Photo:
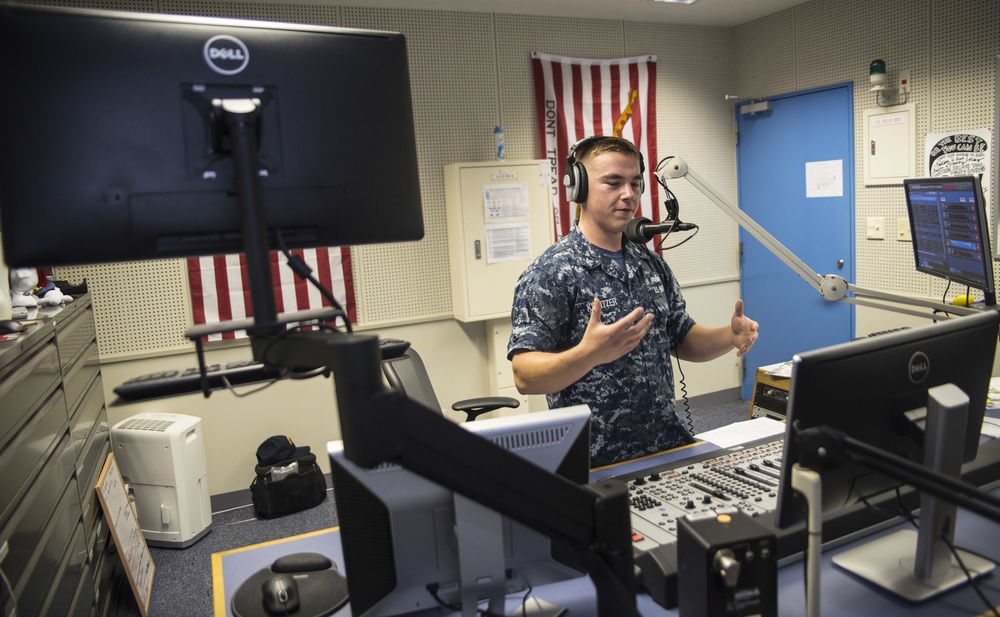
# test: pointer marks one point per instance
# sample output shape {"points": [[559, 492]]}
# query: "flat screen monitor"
{"points": [[916, 396], [399, 530], [113, 147], [864, 387], [950, 231]]}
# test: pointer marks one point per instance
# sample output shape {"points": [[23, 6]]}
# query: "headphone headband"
{"points": [[575, 174]]}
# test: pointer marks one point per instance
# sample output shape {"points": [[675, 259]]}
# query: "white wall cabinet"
{"points": [[499, 220]]}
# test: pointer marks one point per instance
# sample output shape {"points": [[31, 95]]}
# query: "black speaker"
{"points": [[727, 566], [575, 174]]}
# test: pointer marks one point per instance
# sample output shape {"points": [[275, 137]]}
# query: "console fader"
{"points": [[744, 478]]}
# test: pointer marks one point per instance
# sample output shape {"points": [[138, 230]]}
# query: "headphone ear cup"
{"points": [[575, 180], [580, 172]]}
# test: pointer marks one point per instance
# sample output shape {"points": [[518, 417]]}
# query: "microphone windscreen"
{"points": [[633, 230]]}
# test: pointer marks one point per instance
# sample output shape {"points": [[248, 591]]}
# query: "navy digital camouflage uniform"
{"points": [[632, 398]]}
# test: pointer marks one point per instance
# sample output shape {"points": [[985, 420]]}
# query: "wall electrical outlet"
{"points": [[903, 230], [876, 228], [904, 81]]}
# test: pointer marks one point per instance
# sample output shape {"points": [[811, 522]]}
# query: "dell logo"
{"points": [[920, 367], [226, 55]]}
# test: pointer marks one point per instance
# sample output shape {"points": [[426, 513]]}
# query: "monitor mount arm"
{"points": [[832, 287], [824, 447], [379, 424]]}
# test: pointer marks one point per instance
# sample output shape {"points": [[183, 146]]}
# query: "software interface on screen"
{"points": [[950, 237]]}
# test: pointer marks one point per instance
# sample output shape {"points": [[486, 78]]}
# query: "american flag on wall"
{"points": [[220, 290], [578, 98]]}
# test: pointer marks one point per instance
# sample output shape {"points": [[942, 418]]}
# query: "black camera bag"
{"points": [[294, 492]]}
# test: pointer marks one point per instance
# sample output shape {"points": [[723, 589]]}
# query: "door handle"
{"points": [[840, 264]]}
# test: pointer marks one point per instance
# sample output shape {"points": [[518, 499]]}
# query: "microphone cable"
{"points": [[672, 212], [658, 264], [688, 420]]}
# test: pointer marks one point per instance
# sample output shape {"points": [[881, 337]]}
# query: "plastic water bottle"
{"points": [[498, 140]]}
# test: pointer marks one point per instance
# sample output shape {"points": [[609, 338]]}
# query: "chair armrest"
{"points": [[484, 404]]}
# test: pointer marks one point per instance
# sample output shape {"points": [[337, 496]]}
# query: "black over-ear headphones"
{"points": [[575, 174]]}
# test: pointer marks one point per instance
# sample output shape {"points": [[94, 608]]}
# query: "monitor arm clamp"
{"points": [[832, 287]]}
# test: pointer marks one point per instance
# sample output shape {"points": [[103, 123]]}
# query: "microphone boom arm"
{"points": [[831, 287]]}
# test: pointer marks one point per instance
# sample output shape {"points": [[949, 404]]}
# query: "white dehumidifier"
{"points": [[161, 457]]}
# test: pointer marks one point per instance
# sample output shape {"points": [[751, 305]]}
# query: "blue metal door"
{"points": [[786, 162]]}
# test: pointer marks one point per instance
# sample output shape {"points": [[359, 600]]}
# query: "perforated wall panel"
{"points": [[139, 310], [453, 77], [963, 89], [265, 11], [949, 49], [519, 35], [695, 122], [763, 56]]}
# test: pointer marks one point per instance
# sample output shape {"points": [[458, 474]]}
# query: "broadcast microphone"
{"points": [[641, 230]]}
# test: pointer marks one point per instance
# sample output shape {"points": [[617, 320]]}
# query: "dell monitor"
{"points": [[113, 144], [404, 549], [873, 390], [950, 231]]}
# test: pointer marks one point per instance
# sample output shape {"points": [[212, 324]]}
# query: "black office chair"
{"points": [[407, 374]]}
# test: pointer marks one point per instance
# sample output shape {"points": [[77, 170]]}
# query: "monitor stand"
{"points": [[918, 565], [479, 532]]}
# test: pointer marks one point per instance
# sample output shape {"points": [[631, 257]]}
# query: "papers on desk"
{"points": [[742, 432], [781, 369]]}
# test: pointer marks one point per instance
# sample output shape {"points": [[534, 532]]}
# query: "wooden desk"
{"points": [[770, 395]]}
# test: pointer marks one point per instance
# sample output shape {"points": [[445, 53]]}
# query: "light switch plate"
{"points": [[903, 230], [876, 228]]}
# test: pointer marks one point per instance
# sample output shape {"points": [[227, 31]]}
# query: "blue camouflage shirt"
{"points": [[632, 398]]}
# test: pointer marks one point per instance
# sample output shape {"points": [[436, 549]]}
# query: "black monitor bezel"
{"points": [[986, 283], [109, 174]]}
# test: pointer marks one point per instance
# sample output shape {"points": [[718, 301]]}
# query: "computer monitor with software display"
{"points": [[865, 388], [950, 231], [113, 145], [399, 530]]}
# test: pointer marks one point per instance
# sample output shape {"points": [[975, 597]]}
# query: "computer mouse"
{"points": [[9, 326], [281, 595]]}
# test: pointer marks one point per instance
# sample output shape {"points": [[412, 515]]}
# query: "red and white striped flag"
{"points": [[220, 289], [578, 98]]}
